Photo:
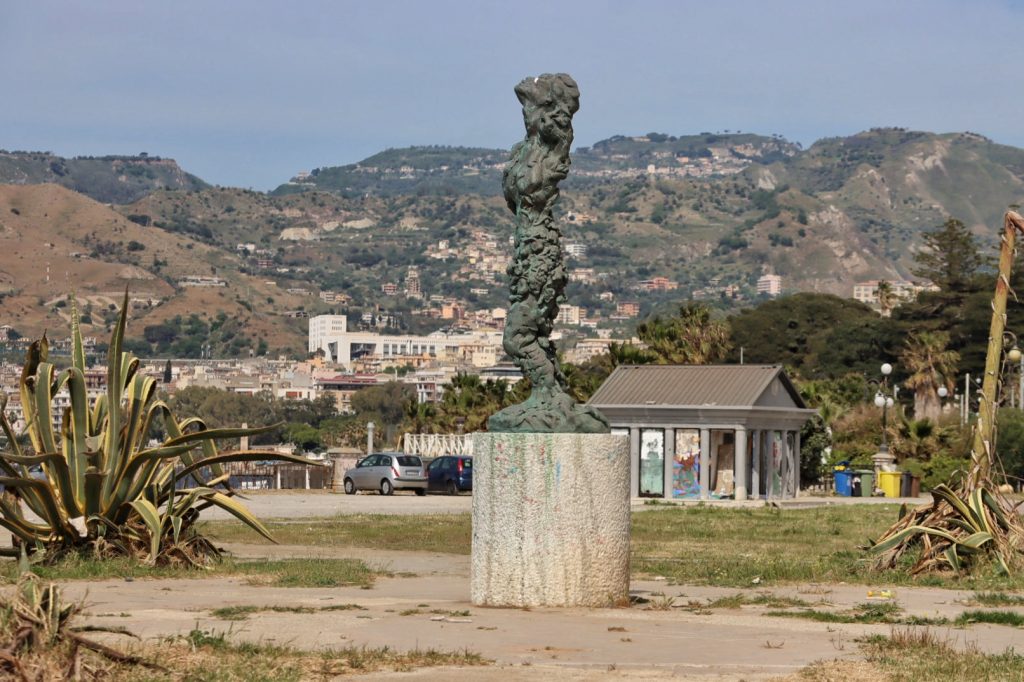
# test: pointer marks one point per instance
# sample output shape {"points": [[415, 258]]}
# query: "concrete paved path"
{"points": [[659, 639], [314, 503]]}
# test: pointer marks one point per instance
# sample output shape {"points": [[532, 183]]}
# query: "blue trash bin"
{"points": [[844, 482]]}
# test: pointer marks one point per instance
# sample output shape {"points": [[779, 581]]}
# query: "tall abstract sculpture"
{"points": [[550, 482], [537, 272]]}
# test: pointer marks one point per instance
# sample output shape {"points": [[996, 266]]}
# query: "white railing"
{"points": [[437, 444]]}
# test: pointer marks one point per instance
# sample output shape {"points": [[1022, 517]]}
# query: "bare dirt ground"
{"points": [[655, 640]]}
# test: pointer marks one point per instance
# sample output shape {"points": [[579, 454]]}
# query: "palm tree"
{"points": [[930, 364], [886, 298], [628, 354], [419, 417]]}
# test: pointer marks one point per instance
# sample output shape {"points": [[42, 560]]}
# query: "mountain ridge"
{"points": [[709, 213]]}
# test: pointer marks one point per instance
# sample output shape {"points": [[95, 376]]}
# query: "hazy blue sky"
{"points": [[248, 93]]}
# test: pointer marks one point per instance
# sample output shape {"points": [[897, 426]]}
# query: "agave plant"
{"points": [[103, 487], [952, 533]]}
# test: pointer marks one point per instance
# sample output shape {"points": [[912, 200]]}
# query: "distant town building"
{"points": [[627, 308], [587, 349], [324, 332], [769, 284], [657, 284], [335, 297], [568, 314], [389, 288], [576, 250], [582, 275], [452, 311], [201, 281], [412, 283], [902, 290], [327, 334]]}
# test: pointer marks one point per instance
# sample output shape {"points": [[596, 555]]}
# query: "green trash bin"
{"points": [[867, 483]]}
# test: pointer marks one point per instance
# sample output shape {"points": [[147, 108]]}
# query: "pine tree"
{"points": [[950, 257]]}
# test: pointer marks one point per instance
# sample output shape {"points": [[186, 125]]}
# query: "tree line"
{"points": [[830, 346]]}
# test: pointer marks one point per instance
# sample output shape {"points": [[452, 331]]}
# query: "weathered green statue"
{"points": [[537, 273]]}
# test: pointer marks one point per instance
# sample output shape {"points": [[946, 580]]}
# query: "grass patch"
{"points": [[919, 655], [739, 600], [997, 599], [284, 573], [436, 612], [867, 613], [443, 533], [761, 546], [243, 612], [212, 656], [688, 545], [310, 573], [1010, 618]]}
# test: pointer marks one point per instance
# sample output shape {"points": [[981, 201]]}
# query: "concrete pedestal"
{"points": [[550, 519]]}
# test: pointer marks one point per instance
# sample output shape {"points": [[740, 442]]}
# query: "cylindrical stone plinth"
{"points": [[550, 519]]}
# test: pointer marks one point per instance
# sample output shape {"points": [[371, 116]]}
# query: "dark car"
{"points": [[450, 474]]}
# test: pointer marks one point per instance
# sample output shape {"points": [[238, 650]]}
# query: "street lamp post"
{"points": [[883, 459], [1015, 357]]}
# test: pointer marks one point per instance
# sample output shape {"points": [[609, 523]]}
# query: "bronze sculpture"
{"points": [[537, 273]]}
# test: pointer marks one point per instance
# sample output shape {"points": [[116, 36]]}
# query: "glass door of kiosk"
{"points": [[652, 463]]}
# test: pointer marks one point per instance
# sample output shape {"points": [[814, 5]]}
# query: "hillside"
{"points": [[413, 170], [709, 212], [57, 242], [107, 179], [725, 207]]}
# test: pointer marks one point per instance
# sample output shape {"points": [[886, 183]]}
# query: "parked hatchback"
{"points": [[450, 474], [387, 472]]}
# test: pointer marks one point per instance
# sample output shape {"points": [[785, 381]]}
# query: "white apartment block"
{"points": [[576, 250], [902, 290], [569, 314], [769, 284], [328, 333], [325, 332]]}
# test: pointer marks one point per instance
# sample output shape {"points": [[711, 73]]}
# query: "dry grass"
{"points": [[916, 655], [40, 642], [213, 657]]}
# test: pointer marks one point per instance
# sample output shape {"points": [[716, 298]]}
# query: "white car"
{"points": [[387, 472]]}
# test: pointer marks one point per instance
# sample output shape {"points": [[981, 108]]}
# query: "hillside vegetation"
{"points": [[711, 211], [108, 179], [57, 242]]}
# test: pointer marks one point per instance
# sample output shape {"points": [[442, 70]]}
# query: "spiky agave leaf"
{"points": [[100, 476]]}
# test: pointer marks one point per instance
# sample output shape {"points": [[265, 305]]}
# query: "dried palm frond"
{"points": [[961, 529], [39, 642]]}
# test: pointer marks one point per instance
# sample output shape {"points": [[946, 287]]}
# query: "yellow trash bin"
{"points": [[889, 482]]}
